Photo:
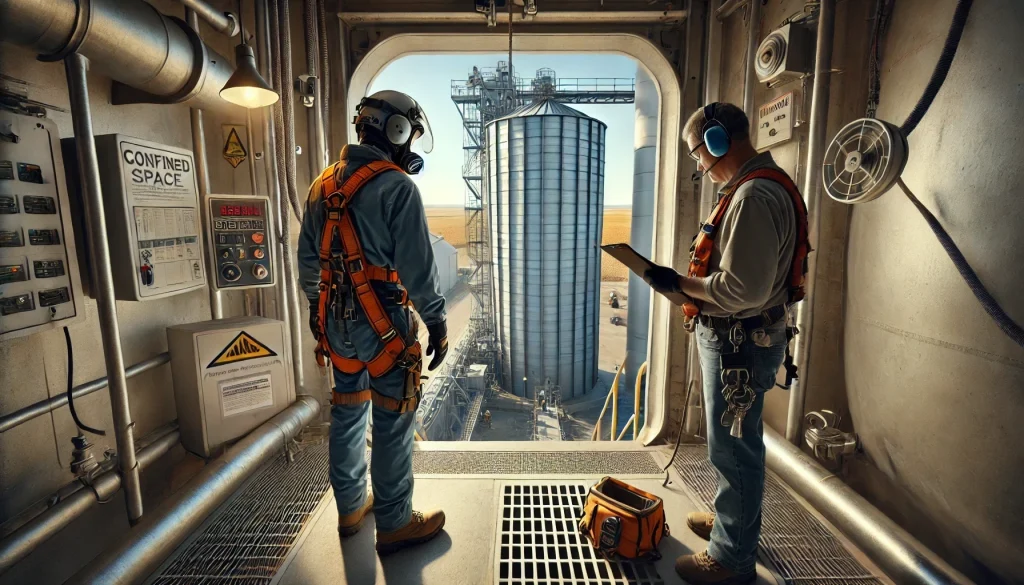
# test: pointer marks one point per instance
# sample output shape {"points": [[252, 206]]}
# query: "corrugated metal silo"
{"points": [[545, 181]]}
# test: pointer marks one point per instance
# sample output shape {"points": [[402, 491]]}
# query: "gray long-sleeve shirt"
{"points": [[392, 228], [750, 261]]}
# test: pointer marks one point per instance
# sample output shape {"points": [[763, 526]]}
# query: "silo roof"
{"points": [[546, 107]]}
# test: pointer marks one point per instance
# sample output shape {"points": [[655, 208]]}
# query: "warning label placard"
{"points": [[243, 347], [245, 394]]}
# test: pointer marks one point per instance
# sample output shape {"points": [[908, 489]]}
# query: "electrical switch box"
{"points": [[151, 204], [230, 376], [40, 287], [239, 241]]}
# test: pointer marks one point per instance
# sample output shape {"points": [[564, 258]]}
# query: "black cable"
{"points": [[956, 30], [679, 434], [71, 397], [1007, 324]]}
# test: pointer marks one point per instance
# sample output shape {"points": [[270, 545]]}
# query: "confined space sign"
{"points": [[245, 394], [775, 121], [242, 348]]}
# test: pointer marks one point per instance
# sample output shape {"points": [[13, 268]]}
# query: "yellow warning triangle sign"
{"points": [[243, 347], [234, 152]]}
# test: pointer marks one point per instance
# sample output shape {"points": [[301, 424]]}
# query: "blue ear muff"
{"points": [[717, 141]]}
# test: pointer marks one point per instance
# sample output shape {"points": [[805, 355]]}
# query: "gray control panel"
{"points": [[39, 280], [239, 241]]}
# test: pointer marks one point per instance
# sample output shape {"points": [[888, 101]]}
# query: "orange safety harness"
{"points": [[704, 242], [349, 271]]}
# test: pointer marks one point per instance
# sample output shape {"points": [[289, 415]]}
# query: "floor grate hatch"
{"points": [[540, 544], [247, 540], [802, 549]]}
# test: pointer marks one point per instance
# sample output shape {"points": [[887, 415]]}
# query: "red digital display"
{"points": [[240, 211]]}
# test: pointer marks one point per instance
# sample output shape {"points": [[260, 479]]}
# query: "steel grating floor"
{"points": [[535, 463], [538, 541], [802, 549]]}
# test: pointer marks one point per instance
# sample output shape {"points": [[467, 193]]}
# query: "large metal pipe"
{"points": [[38, 530], [203, 178], [753, 40], [728, 7], [18, 417], [817, 138], [141, 551], [128, 40], [542, 17], [76, 66], [223, 22], [901, 557]]}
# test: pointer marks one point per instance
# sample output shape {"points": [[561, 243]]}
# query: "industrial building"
{"points": [[447, 259], [162, 416]]}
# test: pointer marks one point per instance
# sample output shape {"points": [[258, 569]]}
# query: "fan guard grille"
{"points": [[863, 161]]}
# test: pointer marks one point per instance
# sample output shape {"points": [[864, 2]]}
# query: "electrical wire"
{"points": [[1008, 325], [679, 433], [70, 388]]}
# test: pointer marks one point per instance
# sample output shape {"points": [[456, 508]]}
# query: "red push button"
{"points": [[257, 238]]}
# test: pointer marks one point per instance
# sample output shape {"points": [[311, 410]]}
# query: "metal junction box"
{"points": [[151, 204], [230, 376], [240, 241], [40, 287]]}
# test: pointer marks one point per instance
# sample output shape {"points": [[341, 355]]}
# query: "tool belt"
{"points": [[621, 520], [346, 278], [765, 318]]}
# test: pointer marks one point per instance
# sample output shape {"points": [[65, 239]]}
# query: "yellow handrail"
{"points": [[614, 391], [625, 427], [636, 399]]}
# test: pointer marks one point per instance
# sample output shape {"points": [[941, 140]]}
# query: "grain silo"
{"points": [[545, 181]]}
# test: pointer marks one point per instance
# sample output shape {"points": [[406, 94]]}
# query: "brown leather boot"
{"points": [[421, 528], [701, 523], [701, 569], [349, 524]]}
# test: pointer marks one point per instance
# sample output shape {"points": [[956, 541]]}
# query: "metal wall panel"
{"points": [[546, 180]]}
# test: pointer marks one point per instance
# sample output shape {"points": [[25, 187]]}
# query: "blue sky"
{"points": [[427, 78]]}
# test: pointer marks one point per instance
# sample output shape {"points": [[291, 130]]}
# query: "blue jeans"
{"points": [[391, 456], [740, 462]]}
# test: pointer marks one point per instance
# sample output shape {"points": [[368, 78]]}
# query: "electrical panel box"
{"points": [[230, 376], [40, 287], [151, 205], [239, 241]]}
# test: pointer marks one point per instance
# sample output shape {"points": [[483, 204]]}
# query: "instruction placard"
{"points": [[244, 394], [775, 121]]}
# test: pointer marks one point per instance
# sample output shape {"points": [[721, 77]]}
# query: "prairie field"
{"points": [[450, 223]]}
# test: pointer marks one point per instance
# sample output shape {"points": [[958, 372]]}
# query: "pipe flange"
{"points": [[83, 17], [200, 58]]}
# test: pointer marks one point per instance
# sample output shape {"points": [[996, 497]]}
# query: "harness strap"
{"points": [[359, 273], [379, 400]]}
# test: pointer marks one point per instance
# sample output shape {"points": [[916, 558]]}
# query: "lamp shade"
{"points": [[246, 87]]}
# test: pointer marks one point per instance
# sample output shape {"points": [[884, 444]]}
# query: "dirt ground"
{"points": [[450, 223]]}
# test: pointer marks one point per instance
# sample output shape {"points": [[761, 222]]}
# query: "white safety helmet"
{"points": [[396, 116]]}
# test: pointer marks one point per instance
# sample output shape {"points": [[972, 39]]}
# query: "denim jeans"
{"points": [[740, 462], [391, 456]]}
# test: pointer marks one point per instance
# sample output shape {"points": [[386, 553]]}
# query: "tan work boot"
{"points": [[701, 523], [349, 524], [421, 528], [701, 569]]}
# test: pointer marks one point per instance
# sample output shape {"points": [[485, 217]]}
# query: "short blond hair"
{"points": [[729, 115]]}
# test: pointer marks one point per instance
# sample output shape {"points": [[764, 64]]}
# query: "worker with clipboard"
{"points": [[747, 266]]}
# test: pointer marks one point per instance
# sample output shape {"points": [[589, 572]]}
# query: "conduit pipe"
{"points": [[142, 550], [753, 40], [105, 486], [542, 17], [728, 7], [103, 281], [18, 417], [128, 40], [203, 178], [223, 22], [900, 556], [817, 140]]}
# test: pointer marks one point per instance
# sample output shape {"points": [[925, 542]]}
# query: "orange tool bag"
{"points": [[621, 520]]}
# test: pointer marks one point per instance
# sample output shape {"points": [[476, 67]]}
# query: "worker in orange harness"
{"points": [[365, 261], [747, 267]]}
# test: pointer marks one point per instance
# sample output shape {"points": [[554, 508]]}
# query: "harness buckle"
{"points": [[388, 335], [735, 377], [355, 265]]}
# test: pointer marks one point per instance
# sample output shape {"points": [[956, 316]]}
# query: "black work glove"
{"points": [[662, 279], [314, 320], [437, 343]]}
